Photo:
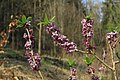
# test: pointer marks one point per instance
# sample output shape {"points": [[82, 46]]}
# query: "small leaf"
{"points": [[117, 28], [20, 25], [52, 19], [46, 21], [87, 17], [24, 19], [18, 21], [93, 59], [71, 62], [90, 16], [88, 61], [29, 18], [110, 29]]}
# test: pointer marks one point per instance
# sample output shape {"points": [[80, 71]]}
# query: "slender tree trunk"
{"points": [[39, 39], [34, 10], [54, 49], [17, 41], [13, 37], [40, 28], [13, 40]]}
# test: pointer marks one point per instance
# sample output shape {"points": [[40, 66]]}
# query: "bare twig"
{"points": [[84, 52], [112, 51], [116, 62], [117, 40], [40, 75], [103, 62]]}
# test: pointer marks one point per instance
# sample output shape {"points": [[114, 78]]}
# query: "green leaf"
{"points": [[52, 19], [20, 25], [18, 21], [71, 62], [24, 19], [87, 17], [29, 18], [22, 22], [117, 28], [93, 59], [87, 60], [46, 21], [110, 29]]}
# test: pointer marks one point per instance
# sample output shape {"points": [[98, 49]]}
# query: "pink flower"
{"points": [[25, 35], [87, 32], [28, 44]]}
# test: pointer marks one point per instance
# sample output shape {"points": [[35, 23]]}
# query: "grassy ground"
{"points": [[13, 66]]}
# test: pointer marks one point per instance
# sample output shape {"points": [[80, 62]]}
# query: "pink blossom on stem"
{"points": [[60, 39], [87, 32]]}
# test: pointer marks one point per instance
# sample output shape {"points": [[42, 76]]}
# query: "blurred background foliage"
{"points": [[68, 15]]}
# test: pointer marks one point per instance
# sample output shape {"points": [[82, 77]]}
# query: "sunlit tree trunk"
{"points": [[40, 28], [39, 39]]}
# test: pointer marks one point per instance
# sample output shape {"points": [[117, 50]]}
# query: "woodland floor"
{"points": [[13, 66]]}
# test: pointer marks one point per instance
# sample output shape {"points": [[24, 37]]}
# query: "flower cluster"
{"points": [[29, 39], [73, 74], [112, 38], [91, 71], [60, 39], [87, 32], [94, 77], [33, 58], [102, 68]]}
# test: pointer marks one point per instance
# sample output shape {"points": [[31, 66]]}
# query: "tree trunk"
{"points": [[13, 37], [39, 39]]}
